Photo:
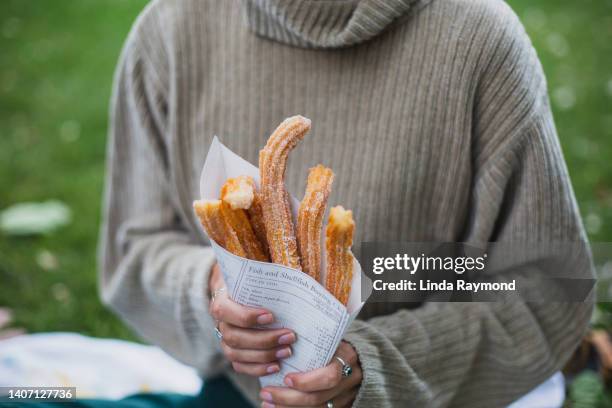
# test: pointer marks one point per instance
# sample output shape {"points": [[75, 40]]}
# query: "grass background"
{"points": [[56, 66]]}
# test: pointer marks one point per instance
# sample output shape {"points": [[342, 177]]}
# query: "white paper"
{"points": [[297, 301]]}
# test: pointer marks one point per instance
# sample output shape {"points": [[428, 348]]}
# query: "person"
{"points": [[435, 117]]}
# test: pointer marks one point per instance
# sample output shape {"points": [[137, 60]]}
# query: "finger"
{"points": [[216, 280], [293, 398], [327, 377], [345, 384], [255, 339], [270, 405], [256, 370], [255, 356], [321, 379], [344, 400], [226, 310]]}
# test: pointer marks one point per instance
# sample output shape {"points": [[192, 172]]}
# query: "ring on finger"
{"points": [[218, 332], [346, 370]]}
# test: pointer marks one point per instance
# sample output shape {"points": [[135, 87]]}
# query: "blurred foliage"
{"points": [[56, 66], [574, 42], [587, 391]]}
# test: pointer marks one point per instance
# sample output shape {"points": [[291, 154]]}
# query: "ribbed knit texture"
{"points": [[435, 118]]}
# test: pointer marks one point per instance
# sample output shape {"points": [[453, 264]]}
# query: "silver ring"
{"points": [[218, 332], [216, 293], [346, 369], [330, 404]]}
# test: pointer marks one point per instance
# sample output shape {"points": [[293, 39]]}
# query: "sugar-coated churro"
{"points": [[211, 218], [310, 218], [234, 194], [275, 199], [255, 213], [339, 238], [239, 192]]}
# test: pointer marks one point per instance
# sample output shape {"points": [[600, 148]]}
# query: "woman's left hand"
{"points": [[318, 387]]}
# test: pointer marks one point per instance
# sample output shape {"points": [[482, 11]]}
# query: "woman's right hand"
{"points": [[252, 351]]}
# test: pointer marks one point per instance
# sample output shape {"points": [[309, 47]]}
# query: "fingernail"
{"points": [[288, 338], [274, 368], [288, 382], [266, 318], [283, 353], [267, 405], [266, 396]]}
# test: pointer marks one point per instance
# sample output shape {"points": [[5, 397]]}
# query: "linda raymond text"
{"points": [[443, 285]]}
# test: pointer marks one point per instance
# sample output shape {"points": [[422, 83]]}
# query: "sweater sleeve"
{"points": [[489, 354], [484, 354], [153, 272]]}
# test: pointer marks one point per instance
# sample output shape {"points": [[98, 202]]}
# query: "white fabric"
{"points": [[98, 368], [549, 394]]}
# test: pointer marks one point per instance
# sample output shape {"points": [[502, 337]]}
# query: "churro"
{"points": [[310, 218], [237, 193], [211, 218], [275, 199], [241, 193], [339, 238], [255, 213]]}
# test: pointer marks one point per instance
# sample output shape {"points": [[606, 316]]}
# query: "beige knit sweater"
{"points": [[435, 118]]}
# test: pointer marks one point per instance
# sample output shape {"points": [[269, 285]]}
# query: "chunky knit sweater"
{"points": [[433, 114]]}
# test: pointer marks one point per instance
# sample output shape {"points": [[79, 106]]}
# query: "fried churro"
{"points": [[310, 218], [339, 238], [239, 192], [211, 218], [255, 213], [275, 199], [235, 194]]}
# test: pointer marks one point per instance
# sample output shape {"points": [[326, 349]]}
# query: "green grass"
{"points": [[56, 68], [574, 42], [56, 65]]}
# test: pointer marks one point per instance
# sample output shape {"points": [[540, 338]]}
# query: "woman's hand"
{"points": [[316, 388], [252, 351]]}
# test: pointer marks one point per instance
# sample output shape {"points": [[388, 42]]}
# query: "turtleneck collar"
{"points": [[324, 23]]}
